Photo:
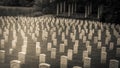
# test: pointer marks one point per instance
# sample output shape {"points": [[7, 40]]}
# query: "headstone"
{"points": [[44, 65], [85, 54], [37, 43], [0, 31], [66, 42], [53, 53], [77, 42], [111, 47], [73, 38], [118, 52], [13, 43], [103, 49], [24, 48], [99, 36], [84, 39], [21, 57], [63, 36], [118, 41], [75, 49], [89, 36], [114, 64], [89, 49], [49, 46], [55, 42], [62, 48], [67, 32], [15, 64], [106, 40], [76, 67], [87, 62], [10, 51], [38, 50], [2, 43], [80, 36], [42, 58], [99, 45], [2, 56], [87, 43], [25, 43], [95, 40], [103, 57], [70, 54], [63, 62], [6, 38]]}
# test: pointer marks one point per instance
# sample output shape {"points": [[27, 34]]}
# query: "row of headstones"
{"points": [[62, 46], [107, 39], [79, 28], [63, 63], [21, 55]]}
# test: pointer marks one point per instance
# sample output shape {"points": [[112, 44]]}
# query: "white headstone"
{"points": [[21, 57], [103, 49], [2, 43], [99, 45], [118, 41], [6, 38], [62, 48], [13, 43], [76, 67], [24, 48], [10, 51], [103, 57], [87, 43], [99, 36], [80, 36], [63, 36], [73, 38], [114, 64], [44, 65], [89, 36], [66, 42], [118, 52], [53, 53], [89, 49], [63, 62], [42, 58], [95, 40], [55, 42], [85, 54], [70, 54], [84, 39], [49, 46], [106, 40], [37, 43], [87, 62], [15, 64], [77, 42], [2, 56], [111, 47], [38, 50], [75, 49]]}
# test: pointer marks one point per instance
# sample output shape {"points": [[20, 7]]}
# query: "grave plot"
{"points": [[49, 42]]}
